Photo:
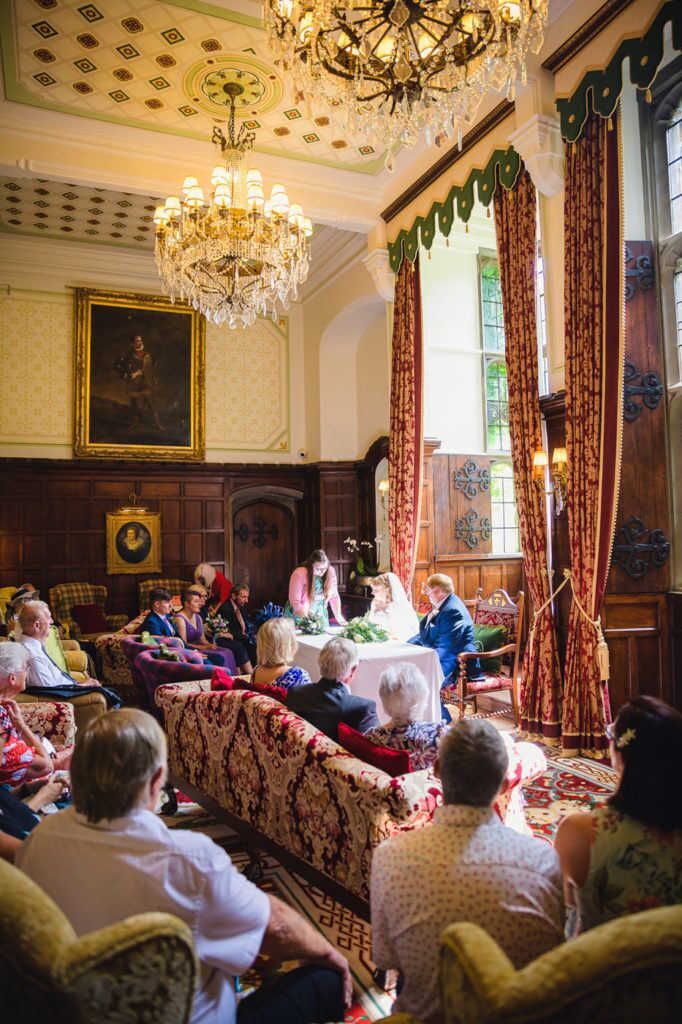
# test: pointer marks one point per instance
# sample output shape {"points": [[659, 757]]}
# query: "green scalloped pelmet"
{"points": [[606, 86], [503, 167]]}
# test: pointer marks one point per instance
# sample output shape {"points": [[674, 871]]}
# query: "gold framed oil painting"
{"points": [[140, 374], [133, 541]]}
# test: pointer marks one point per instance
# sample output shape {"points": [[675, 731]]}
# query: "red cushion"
{"points": [[393, 762], [222, 680], [267, 689], [90, 618]]}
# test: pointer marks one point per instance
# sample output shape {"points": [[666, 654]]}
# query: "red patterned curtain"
{"points": [[405, 444], [516, 227], [594, 382]]}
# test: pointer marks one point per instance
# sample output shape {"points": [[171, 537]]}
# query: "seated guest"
{"points": [[327, 703], [26, 592], [240, 628], [448, 629], [23, 755], [18, 817], [404, 693], [53, 644], [191, 631], [464, 866], [627, 856], [109, 856], [276, 645], [313, 586], [391, 608], [217, 585], [158, 621], [43, 674]]}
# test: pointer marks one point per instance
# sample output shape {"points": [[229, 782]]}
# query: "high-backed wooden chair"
{"points": [[496, 610]]}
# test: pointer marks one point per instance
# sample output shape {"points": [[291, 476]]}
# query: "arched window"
{"points": [[503, 507]]}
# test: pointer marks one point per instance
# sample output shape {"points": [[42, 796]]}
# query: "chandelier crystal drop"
{"points": [[389, 68], [236, 255]]}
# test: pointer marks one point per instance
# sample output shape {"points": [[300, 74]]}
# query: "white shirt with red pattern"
{"points": [[465, 866]]}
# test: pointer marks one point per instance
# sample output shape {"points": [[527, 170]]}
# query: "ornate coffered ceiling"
{"points": [[53, 209], [161, 65]]}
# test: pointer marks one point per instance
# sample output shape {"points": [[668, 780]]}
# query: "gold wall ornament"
{"points": [[133, 541], [140, 377]]}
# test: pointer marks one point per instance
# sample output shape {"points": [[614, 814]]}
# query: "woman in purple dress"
{"points": [[190, 628]]}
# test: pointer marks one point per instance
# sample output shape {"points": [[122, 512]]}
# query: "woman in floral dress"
{"points": [[627, 856], [312, 587]]}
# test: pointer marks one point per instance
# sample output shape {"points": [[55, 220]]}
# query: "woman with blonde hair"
{"points": [[391, 608], [276, 646], [218, 586]]}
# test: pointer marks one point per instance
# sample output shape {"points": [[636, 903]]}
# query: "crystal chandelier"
{"points": [[235, 256], [392, 67]]}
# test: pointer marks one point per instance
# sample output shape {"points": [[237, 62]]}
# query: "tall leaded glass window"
{"points": [[673, 140], [677, 286], [497, 406], [503, 507], [492, 320]]}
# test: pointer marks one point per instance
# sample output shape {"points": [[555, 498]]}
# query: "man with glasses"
{"points": [[448, 629]]}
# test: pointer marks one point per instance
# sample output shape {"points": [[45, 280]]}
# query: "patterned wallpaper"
{"points": [[247, 373], [163, 66], [36, 383]]}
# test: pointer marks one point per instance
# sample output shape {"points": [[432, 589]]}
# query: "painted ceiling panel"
{"points": [[163, 66]]}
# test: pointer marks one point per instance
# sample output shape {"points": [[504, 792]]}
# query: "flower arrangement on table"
{"points": [[312, 625], [362, 631], [365, 555]]}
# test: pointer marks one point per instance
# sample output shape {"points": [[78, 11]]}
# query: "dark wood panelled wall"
{"points": [[439, 549], [638, 612]]}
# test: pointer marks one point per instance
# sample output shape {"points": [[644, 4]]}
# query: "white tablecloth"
{"points": [[373, 660]]}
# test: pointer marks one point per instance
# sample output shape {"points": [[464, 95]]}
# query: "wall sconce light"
{"points": [[559, 475], [382, 487]]}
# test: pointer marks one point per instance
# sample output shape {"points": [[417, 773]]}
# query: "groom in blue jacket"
{"points": [[448, 628]]}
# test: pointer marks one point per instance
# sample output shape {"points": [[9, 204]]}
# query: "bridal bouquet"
{"points": [[216, 625], [310, 624], [362, 631]]}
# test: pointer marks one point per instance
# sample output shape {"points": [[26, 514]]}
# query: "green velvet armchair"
{"points": [[629, 971], [140, 969]]}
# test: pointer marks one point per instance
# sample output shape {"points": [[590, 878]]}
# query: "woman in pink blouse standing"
{"points": [[312, 587]]}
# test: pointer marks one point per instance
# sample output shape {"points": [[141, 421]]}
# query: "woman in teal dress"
{"points": [[627, 856], [312, 587]]}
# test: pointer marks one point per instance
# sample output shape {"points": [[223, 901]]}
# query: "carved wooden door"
{"points": [[264, 551]]}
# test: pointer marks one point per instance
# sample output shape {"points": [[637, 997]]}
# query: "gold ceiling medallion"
{"points": [[235, 256], [398, 66], [205, 81]]}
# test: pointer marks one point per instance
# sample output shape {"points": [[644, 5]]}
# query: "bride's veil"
{"points": [[404, 619]]}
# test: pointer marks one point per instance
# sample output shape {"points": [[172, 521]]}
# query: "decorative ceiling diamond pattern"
{"points": [[54, 209], [161, 65]]}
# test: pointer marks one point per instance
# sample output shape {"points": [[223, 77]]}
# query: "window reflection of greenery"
{"points": [[503, 509], [497, 406]]}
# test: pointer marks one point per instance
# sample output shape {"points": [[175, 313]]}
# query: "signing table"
{"points": [[374, 658]]}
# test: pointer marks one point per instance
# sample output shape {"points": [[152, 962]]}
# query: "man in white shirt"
{"points": [[109, 856], [35, 621], [465, 866]]}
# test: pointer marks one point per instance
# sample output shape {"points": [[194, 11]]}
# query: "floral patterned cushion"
{"points": [[488, 684], [53, 720], [293, 784], [488, 617]]}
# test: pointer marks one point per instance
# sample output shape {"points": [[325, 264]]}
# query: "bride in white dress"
{"points": [[391, 608]]}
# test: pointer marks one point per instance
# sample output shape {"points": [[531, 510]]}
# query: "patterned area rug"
{"points": [[569, 784]]}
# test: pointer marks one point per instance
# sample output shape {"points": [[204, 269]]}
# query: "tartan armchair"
{"points": [[64, 596], [496, 610], [145, 587]]}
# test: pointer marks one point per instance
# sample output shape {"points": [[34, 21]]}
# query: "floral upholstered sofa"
{"points": [[277, 775]]}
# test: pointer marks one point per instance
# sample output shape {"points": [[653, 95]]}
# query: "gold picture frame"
{"points": [[140, 377], [133, 541]]}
